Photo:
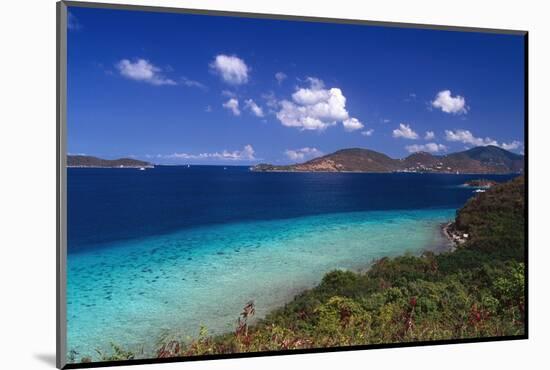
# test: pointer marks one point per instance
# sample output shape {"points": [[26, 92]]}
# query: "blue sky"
{"points": [[178, 89]]}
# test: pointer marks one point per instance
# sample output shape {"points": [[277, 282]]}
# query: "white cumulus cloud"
{"points": [[368, 132], [254, 108], [405, 131], [352, 124], [430, 135], [466, 137], [512, 145], [429, 147], [313, 107], [233, 105], [246, 154], [449, 104], [303, 153], [232, 69], [143, 70]]}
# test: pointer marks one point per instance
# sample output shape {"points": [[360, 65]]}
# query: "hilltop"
{"points": [[480, 160], [94, 162]]}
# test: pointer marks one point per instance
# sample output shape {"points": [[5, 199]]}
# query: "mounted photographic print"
{"points": [[234, 184]]}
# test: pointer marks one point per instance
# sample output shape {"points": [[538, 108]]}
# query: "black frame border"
{"points": [[61, 126]]}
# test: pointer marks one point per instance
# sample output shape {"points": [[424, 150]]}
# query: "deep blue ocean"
{"points": [[110, 204], [169, 249]]}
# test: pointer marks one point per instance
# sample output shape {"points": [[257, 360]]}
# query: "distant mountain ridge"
{"points": [[479, 160], [95, 162]]}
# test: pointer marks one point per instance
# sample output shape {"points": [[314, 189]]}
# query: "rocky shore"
{"points": [[455, 237]]}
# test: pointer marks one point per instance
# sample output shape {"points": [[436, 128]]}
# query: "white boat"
{"points": [[142, 168], [479, 191]]}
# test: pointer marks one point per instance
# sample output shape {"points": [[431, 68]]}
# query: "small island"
{"points": [[480, 183], [86, 161]]}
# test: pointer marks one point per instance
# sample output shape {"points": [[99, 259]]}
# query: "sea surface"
{"points": [[162, 252]]}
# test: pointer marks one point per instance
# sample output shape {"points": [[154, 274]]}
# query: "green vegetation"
{"points": [[496, 221], [475, 291]]}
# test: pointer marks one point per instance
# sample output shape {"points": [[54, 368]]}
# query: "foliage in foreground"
{"points": [[475, 291]]}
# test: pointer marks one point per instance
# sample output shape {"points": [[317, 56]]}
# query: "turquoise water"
{"points": [[133, 291]]}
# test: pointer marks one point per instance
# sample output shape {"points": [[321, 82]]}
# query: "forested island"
{"points": [[476, 290], [86, 161]]}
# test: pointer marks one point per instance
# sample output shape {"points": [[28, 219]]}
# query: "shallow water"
{"points": [[133, 291], [171, 248]]}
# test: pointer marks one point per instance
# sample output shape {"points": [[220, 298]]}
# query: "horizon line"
{"points": [[257, 161]]}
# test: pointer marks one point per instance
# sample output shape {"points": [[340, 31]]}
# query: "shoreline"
{"points": [[453, 241], [455, 238], [396, 172], [435, 243]]}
